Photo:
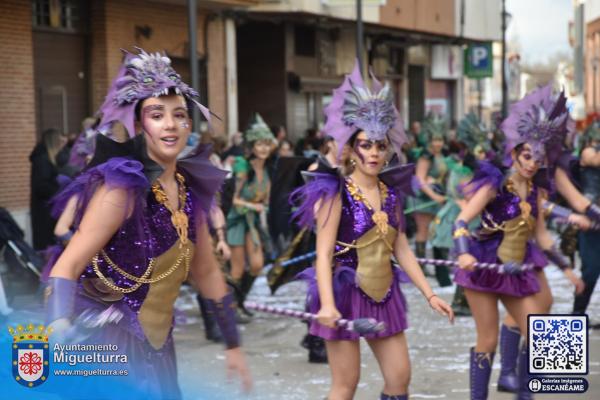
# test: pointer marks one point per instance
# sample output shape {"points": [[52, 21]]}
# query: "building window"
{"points": [[304, 41], [58, 14], [41, 13], [396, 61]]}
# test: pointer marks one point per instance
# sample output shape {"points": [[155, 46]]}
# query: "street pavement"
{"points": [[439, 352]]}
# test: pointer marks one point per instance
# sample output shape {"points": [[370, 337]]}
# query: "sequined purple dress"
{"points": [[485, 243], [132, 252], [351, 301], [144, 334]]}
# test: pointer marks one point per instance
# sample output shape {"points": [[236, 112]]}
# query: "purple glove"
{"points": [[65, 238], [60, 299], [224, 312], [558, 258], [460, 235], [593, 212]]}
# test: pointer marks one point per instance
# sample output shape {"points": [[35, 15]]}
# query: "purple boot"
{"points": [[524, 393], [509, 353], [480, 370], [393, 396]]}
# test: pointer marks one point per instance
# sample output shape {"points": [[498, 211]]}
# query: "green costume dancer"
{"points": [[246, 221], [472, 134], [431, 173], [441, 227]]}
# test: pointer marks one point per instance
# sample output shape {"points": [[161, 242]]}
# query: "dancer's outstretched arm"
{"points": [[210, 281], [328, 221], [205, 268], [570, 192], [105, 213], [407, 260], [546, 243], [421, 172]]}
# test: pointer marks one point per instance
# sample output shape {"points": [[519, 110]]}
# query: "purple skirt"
{"points": [[353, 303], [151, 373], [488, 280]]}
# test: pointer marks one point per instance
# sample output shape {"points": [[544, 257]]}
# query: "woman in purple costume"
{"points": [[512, 232], [140, 228], [510, 334], [359, 229]]}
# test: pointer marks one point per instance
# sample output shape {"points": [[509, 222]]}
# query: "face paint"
{"points": [[359, 151], [362, 146], [146, 110], [525, 162], [185, 125]]}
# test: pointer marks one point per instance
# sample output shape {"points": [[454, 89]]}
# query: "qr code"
{"points": [[558, 344]]}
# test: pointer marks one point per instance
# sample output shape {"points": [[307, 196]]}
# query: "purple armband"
{"points": [[65, 238], [460, 236], [593, 212], [224, 312], [555, 211], [60, 299], [558, 258]]}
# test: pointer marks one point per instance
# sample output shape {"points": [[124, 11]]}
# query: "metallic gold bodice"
{"points": [[374, 250], [156, 314], [516, 234]]}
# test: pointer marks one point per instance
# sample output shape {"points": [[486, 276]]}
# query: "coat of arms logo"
{"points": [[30, 354]]}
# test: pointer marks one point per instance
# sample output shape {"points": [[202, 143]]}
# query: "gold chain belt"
{"points": [[353, 245], [494, 227], [184, 256]]}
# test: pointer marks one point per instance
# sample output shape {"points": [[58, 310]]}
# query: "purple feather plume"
{"points": [[320, 186], [356, 107], [540, 119], [485, 174], [117, 173]]}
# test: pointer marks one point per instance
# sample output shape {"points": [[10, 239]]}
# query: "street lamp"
{"points": [[359, 35], [193, 54], [505, 21]]}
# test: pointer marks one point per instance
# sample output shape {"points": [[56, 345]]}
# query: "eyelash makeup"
{"points": [[368, 145]]}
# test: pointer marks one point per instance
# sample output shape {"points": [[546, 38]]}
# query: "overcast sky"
{"points": [[541, 27]]}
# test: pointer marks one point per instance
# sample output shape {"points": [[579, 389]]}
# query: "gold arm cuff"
{"points": [[460, 232]]}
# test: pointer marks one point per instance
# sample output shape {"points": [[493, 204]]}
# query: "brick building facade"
{"points": [[30, 49], [17, 114]]}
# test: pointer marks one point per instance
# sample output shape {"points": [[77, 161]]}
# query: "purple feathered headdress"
{"points": [[141, 76], [355, 106], [540, 119]]}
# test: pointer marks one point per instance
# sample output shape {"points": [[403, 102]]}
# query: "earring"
{"points": [[353, 163]]}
